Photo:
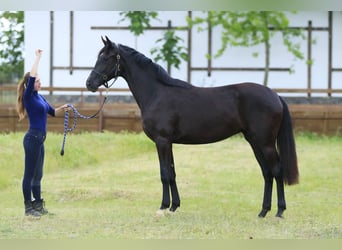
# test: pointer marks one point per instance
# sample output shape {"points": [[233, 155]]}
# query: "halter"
{"points": [[105, 77], [75, 111]]}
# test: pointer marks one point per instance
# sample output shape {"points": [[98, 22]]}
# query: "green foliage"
{"points": [[170, 51], [11, 45], [242, 28], [140, 20], [249, 28]]}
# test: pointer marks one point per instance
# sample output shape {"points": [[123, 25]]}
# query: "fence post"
{"points": [[189, 49], [51, 50], [11, 118], [101, 117], [169, 27], [330, 13], [209, 47], [309, 60]]}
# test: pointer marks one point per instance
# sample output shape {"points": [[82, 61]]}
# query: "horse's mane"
{"points": [[161, 73]]}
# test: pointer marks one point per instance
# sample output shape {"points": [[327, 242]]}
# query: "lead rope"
{"points": [[76, 114]]}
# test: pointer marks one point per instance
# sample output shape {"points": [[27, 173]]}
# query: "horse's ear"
{"points": [[103, 40], [108, 40]]}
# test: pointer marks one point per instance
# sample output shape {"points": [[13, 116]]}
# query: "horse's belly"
{"points": [[201, 134], [192, 124]]}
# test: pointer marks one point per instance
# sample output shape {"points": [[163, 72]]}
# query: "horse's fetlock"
{"points": [[164, 206]]}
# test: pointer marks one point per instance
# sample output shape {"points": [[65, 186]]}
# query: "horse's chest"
{"points": [[156, 122]]}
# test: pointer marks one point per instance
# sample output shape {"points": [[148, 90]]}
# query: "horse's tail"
{"points": [[287, 148]]}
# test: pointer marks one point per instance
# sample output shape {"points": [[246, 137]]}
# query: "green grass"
{"points": [[107, 185]]}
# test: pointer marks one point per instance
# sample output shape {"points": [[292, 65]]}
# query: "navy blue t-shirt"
{"points": [[36, 106]]}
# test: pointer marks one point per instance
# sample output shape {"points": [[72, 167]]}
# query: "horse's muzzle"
{"points": [[91, 87]]}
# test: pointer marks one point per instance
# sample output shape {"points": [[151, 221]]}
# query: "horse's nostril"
{"points": [[88, 84]]}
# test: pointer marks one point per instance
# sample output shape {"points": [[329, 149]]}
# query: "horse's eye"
{"points": [[103, 57]]}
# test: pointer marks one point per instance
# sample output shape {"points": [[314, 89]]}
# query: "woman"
{"points": [[37, 109]]}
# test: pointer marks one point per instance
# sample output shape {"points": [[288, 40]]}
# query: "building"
{"points": [[71, 41]]}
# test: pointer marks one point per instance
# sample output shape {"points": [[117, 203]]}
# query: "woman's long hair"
{"points": [[20, 95]]}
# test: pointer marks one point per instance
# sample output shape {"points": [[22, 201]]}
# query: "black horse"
{"points": [[174, 111]]}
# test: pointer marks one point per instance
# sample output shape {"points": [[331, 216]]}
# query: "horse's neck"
{"points": [[142, 88]]}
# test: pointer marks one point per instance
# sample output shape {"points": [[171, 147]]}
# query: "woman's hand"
{"points": [[64, 107], [39, 52]]}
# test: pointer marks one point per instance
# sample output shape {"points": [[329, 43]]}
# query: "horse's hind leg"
{"points": [[268, 186], [272, 170], [267, 158], [268, 181], [281, 196], [266, 205]]}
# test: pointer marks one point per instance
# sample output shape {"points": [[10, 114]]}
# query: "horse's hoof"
{"points": [[280, 214], [263, 213], [173, 208]]}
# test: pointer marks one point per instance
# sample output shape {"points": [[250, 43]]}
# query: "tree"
{"points": [[170, 51], [11, 46], [250, 28], [140, 20]]}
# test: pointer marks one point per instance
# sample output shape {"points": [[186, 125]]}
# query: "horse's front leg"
{"points": [[173, 185], [167, 174]]}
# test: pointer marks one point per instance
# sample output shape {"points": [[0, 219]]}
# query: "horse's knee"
{"points": [[173, 171], [168, 176], [164, 176], [165, 179]]}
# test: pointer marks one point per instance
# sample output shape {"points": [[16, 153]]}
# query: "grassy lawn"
{"points": [[107, 185]]}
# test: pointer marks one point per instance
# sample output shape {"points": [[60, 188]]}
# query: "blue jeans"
{"points": [[34, 160]]}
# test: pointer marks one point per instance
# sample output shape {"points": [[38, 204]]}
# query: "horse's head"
{"points": [[106, 67]]}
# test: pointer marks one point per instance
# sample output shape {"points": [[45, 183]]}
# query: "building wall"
{"points": [[87, 42]]}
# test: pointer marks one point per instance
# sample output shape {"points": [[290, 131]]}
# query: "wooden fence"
{"points": [[114, 117], [318, 118], [321, 119]]}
